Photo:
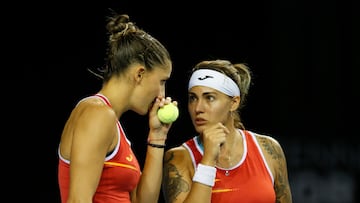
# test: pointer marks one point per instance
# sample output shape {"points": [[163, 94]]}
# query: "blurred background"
{"points": [[299, 52]]}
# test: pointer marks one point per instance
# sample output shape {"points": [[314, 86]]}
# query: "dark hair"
{"points": [[239, 73], [128, 44]]}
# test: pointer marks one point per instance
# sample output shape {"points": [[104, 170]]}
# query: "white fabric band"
{"points": [[214, 79], [205, 175]]}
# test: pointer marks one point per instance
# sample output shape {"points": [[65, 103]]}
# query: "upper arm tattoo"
{"points": [[281, 185], [173, 182]]}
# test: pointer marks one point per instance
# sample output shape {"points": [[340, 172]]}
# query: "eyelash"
{"points": [[208, 97]]}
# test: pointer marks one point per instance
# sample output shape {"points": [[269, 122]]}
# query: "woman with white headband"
{"points": [[224, 162]]}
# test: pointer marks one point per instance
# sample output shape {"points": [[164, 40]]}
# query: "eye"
{"points": [[191, 98], [163, 82], [210, 98]]}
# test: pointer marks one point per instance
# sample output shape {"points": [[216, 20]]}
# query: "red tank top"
{"points": [[120, 175], [249, 181]]}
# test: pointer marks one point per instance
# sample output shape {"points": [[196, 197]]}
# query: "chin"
{"points": [[198, 129], [141, 112], [145, 112]]}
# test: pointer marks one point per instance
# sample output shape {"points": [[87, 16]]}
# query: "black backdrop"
{"points": [[299, 52]]}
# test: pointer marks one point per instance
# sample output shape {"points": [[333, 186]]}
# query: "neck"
{"points": [[231, 151], [233, 141], [119, 102]]}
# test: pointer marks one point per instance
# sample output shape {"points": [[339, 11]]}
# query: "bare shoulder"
{"points": [[95, 105], [95, 112], [91, 122], [268, 143], [176, 155], [178, 159], [272, 151]]}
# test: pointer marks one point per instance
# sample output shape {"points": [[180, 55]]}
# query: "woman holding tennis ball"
{"points": [[168, 113], [224, 162], [96, 161]]}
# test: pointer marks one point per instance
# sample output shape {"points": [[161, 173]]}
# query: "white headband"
{"points": [[214, 79]]}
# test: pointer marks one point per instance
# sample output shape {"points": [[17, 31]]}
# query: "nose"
{"points": [[198, 106], [162, 91]]}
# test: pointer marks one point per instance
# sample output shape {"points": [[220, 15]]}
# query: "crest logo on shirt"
{"points": [[129, 158]]}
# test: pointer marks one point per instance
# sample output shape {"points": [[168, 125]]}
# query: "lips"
{"points": [[200, 121]]}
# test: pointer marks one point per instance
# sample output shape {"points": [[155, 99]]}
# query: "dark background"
{"points": [[303, 56]]}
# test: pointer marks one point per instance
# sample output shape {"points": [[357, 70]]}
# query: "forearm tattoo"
{"points": [[174, 183]]}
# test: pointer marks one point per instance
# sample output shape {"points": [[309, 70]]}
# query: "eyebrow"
{"points": [[204, 93]]}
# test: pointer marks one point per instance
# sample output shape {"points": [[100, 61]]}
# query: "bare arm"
{"points": [[178, 186], [276, 157], [148, 189], [93, 132]]}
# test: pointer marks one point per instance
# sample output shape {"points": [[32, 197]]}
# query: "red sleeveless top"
{"points": [[120, 175], [249, 181]]}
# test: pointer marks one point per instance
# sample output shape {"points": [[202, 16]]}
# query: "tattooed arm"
{"points": [[275, 157], [177, 179]]}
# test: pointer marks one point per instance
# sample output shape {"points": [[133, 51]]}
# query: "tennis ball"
{"points": [[168, 113]]}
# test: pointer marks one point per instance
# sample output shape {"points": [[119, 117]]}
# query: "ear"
{"points": [[139, 73], [235, 103]]}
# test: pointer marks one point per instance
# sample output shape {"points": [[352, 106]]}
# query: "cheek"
{"points": [[191, 110], [219, 113], [154, 90]]}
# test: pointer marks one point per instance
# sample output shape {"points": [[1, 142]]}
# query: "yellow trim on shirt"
{"points": [[121, 165]]}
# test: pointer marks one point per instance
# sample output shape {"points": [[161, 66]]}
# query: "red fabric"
{"points": [[248, 182], [120, 174]]}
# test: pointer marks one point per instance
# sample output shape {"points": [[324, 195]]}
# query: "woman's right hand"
{"points": [[213, 138], [158, 129]]}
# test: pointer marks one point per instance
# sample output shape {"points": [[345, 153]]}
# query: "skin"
{"points": [[91, 132], [210, 112]]}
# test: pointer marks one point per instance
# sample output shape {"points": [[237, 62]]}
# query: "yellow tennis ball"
{"points": [[168, 113]]}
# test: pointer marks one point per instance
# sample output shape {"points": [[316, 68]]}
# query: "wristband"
{"points": [[205, 175], [156, 145]]}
